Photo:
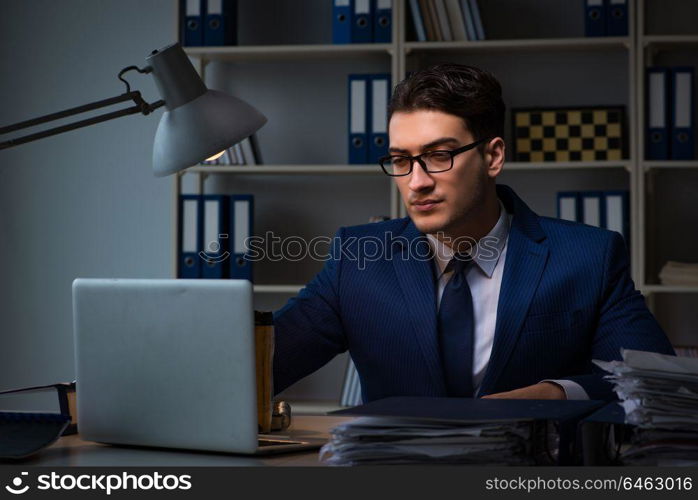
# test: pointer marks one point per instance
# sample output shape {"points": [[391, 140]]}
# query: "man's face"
{"points": [[444, 201]]}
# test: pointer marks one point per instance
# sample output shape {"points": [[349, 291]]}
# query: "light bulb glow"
{"points": [[216, 156]]}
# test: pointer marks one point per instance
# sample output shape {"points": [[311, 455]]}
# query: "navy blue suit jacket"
{"points": [[566, 298]]}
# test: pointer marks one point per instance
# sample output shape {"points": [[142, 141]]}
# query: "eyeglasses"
{"points": [[432, 161]]}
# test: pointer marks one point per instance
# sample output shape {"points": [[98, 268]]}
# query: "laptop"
{"points": [[169, 363]]}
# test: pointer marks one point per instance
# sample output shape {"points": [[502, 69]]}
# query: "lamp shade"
{"points": [[197, 123]]}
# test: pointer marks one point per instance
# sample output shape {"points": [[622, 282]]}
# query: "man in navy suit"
{"points": [[472, 294]]}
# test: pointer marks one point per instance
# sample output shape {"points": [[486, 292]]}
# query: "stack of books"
{"points": [[245, 152], [679, 273], [446, 20], [659, 394]]}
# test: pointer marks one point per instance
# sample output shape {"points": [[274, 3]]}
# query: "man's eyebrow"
{"points": [[438, 142]]}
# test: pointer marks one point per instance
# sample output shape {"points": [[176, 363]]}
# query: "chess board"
{"points": [[569, 134]]}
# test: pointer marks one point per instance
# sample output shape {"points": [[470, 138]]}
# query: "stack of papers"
{"points": [[659, 394], [679, 273], [390, 440]]}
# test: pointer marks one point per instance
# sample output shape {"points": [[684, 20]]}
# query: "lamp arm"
{"points": [[141, 106]]}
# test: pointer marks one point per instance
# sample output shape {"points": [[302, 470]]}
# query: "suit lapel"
{"points": [[527, 254], [416, 278], [525, 261]]}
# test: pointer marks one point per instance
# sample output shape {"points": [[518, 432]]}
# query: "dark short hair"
{"points": [[471, 93]]}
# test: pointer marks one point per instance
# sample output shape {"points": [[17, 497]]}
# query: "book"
{"points": [[679, 273]]}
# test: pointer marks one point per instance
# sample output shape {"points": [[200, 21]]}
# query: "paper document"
{"points": [[387, 440], [659, 394]]}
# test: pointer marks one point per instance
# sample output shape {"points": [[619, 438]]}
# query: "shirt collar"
{"points": [[485, 256]]}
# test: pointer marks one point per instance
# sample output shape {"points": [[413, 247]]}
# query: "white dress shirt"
{"points": [[485, 281]]}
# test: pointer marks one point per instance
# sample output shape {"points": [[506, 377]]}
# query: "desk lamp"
{"points": [[198, 123]]}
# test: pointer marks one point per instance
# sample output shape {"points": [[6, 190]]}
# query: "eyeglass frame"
{"points": [[422, 163]]}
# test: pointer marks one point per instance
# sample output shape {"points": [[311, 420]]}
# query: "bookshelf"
{"points": [[669, 41], [544, 44], [287, 169], [669, 164], [538, 51], [649, 289], [289, 52], [665, 190], [568, 165]]}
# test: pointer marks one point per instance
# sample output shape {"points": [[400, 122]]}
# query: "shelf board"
{"points": [[591, 43], [289, 289], [288, 52], [669, 289], [669, 40], [566, 165], [375, 170], [287, 169], [669, 164]]}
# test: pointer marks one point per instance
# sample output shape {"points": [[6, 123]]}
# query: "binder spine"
{"points": [[595, 18], [191, 23], [382, 21], [361, 22], [657, 137], [358, 119], [341, 21], [682, 114], [380, 89], [215, 253], [568, 206], [241, 229], [593, 212], [189, 226], [221, 22], [617, 210], [617, 17]]}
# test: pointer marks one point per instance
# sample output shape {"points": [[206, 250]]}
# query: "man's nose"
{"points": [[420, 180]]}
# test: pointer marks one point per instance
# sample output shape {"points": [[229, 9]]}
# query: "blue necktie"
{"points": [[456, 330]]}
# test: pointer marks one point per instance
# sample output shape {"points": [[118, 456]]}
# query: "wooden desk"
{"points": [[73, 451]]}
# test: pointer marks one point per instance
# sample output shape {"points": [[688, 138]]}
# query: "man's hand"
{"points": [[542, 390]]}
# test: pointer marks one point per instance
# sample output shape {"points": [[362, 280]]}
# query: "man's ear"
{"points": [[495, 150]]}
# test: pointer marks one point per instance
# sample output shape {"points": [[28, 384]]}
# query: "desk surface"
{"points": [[73, 451]]}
